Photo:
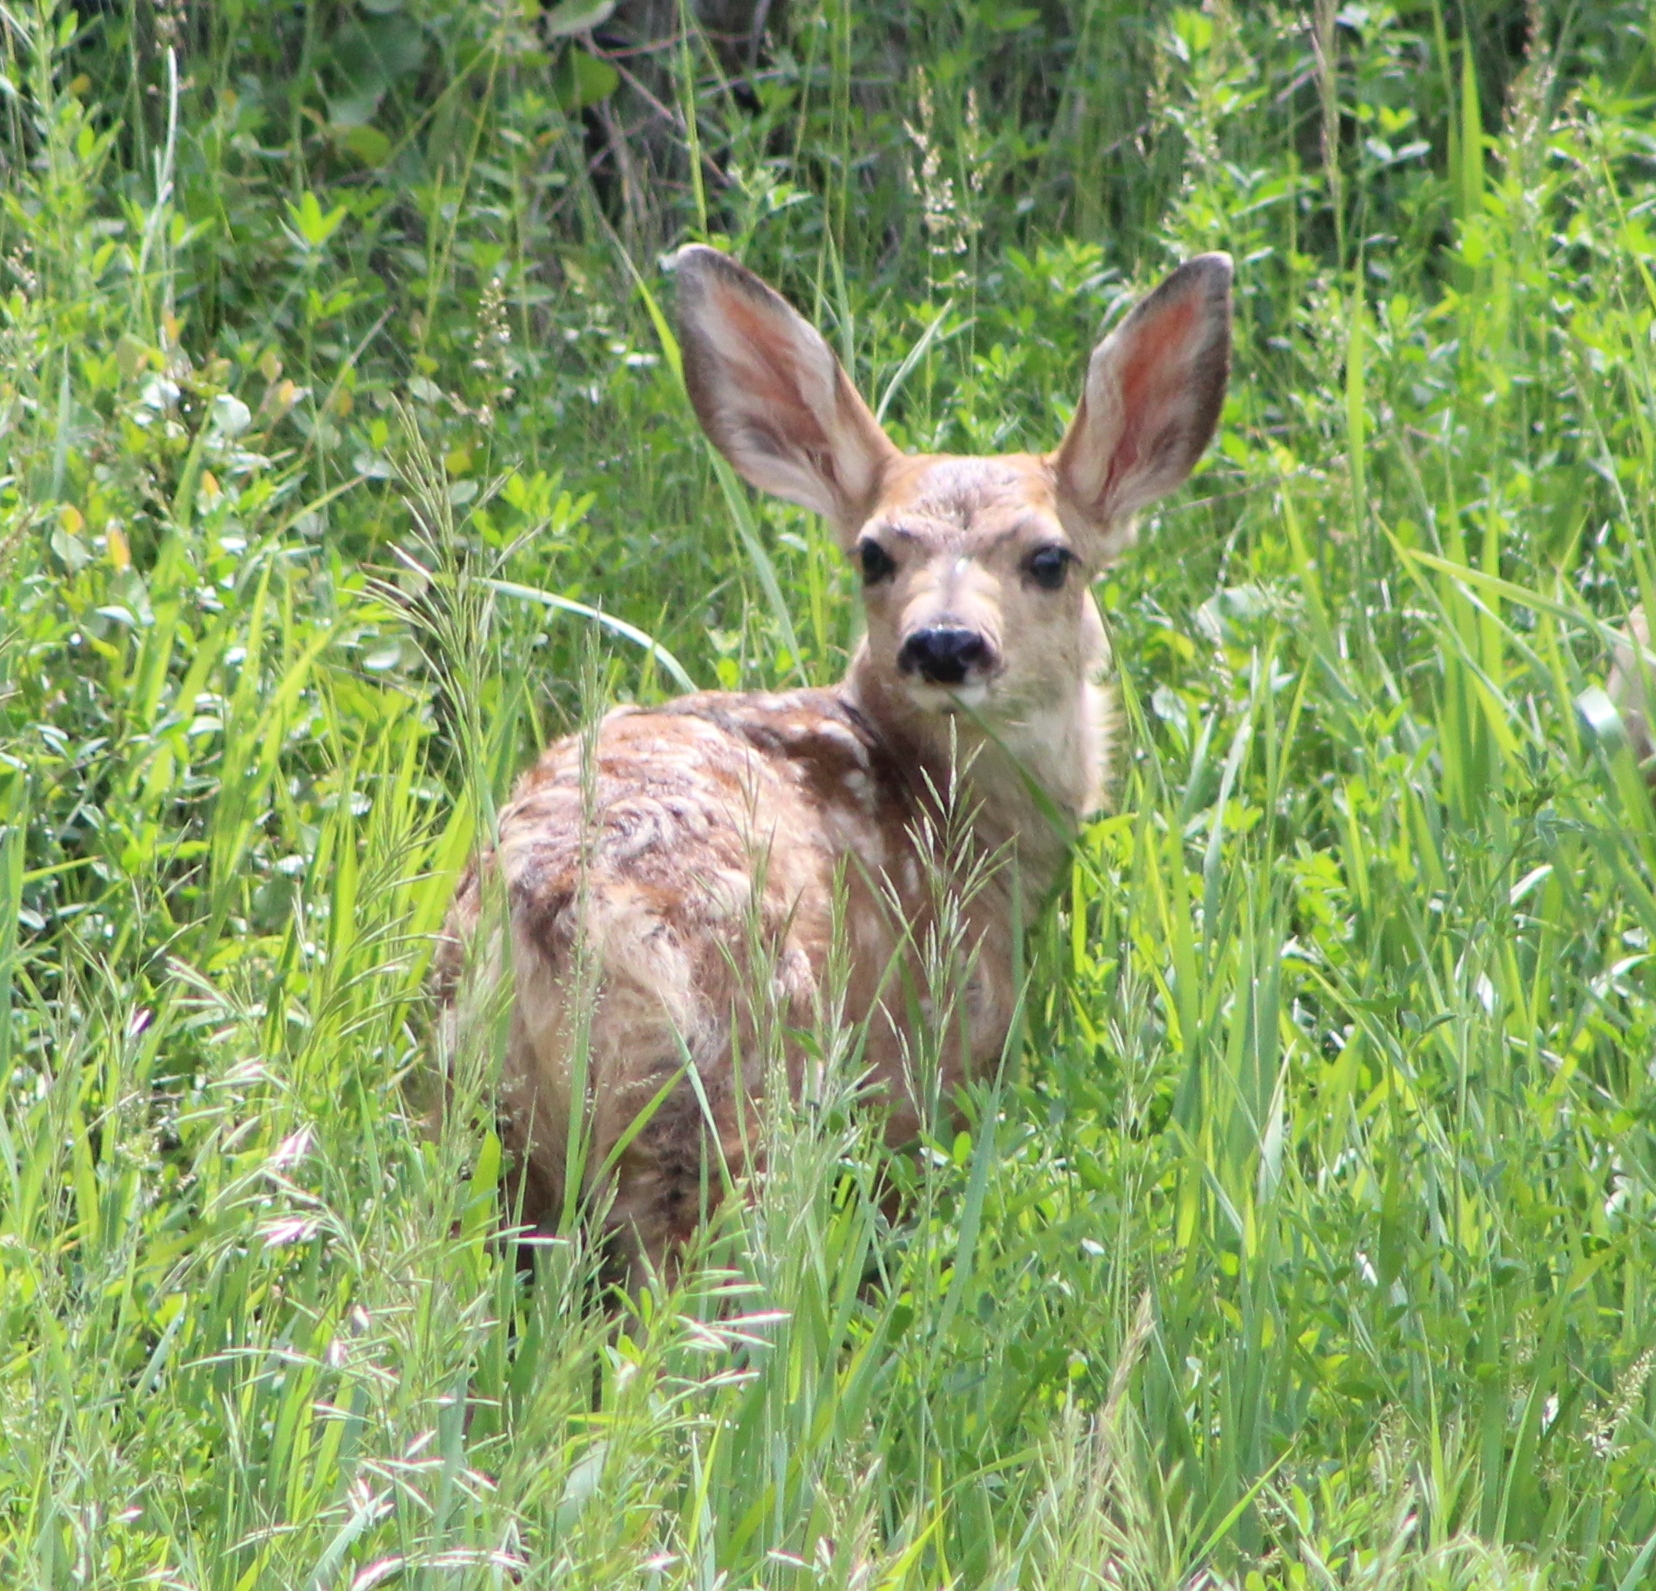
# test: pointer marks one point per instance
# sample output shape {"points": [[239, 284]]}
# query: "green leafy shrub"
{"points": [[342, 461]]}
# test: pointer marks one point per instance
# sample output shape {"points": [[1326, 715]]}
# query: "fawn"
{"points": [[676, 868]]}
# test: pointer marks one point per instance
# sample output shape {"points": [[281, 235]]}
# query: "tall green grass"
{"points": [[1308, 1241]]}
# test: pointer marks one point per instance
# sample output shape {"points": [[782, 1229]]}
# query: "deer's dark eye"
{"points": [[877, 564], [1047, 566]]}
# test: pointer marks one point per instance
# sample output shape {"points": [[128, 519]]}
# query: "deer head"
{"points": [[976, 572]]}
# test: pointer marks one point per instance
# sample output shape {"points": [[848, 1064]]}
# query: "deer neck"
{"points": [[1028, 786]]}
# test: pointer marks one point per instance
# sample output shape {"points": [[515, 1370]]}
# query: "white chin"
{"points": [[948, 698]]}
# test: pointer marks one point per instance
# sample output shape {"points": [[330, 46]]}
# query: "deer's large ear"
{"points": [[1154, 389], [772, 396]]}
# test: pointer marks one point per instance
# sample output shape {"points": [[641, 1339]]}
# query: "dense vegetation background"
{"points": [[342, 458]]}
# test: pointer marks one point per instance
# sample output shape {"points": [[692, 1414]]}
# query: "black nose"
{"points": [[944, 655]]}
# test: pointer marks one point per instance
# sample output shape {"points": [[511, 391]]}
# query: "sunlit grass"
{"points": [[1307, 1240]]}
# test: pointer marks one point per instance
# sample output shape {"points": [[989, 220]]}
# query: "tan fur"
{"points": [[673, 882], [1629, 690]]}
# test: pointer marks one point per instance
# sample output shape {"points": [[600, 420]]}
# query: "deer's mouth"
{"points": [[967, 696]]}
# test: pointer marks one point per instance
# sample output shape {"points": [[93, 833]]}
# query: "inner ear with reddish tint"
{"points": [[771, 395], [1152, 398]]}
